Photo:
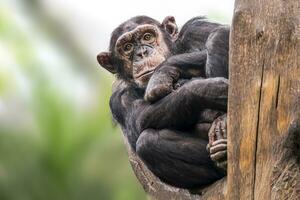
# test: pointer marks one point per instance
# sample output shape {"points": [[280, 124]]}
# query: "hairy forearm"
{"points": [[182, 107], [186, 65], [181, 66]]}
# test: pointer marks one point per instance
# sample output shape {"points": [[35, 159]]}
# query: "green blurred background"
{"points": [[57, 139]]}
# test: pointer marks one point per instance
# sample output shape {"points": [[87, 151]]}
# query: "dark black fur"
{"points": [[201, 50], [162, 133]]}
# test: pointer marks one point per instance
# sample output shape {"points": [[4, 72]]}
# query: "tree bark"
{"points": [[264, 101]]}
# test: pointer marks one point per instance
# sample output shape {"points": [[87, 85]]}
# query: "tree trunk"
{"points": [[264, 101]]}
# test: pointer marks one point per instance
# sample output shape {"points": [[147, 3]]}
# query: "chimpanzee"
{"points": [[168, 120]]}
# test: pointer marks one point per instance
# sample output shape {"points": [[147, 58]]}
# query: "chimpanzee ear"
{"points": [[169, 24], [105, 60]]}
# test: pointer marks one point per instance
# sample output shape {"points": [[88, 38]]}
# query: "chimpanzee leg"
{"points": [[177, 158]]}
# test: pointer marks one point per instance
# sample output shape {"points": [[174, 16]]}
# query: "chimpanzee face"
{"points": [[140, 50]]}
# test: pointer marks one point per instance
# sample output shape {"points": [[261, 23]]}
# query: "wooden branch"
{"points": [[264, 101], [161, 191]]}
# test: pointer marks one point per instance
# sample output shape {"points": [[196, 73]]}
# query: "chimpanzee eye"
{"points": [[149, 37], [128, 47]]}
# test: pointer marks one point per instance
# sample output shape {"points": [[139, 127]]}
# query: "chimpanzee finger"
{"points": [[215, 149], [218, 131], [224, 128], [221, 141], [218, 156], [211, 134], [207, 147], [157, 92]]}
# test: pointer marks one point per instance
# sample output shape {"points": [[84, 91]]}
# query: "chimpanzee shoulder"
{"points": [[123, 94]]}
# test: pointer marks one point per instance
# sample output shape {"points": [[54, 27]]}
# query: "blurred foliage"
{"points": [[57, 140]]}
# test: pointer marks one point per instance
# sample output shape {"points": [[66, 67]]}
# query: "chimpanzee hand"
{"points": [[161, 82], [217, 145], [158, 87]]}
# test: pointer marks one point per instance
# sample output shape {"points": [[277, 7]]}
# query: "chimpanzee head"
{"points": [[138, 46]]}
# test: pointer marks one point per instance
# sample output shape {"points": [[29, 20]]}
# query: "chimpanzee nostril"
{"points": [[142, 53], [145, 52]]}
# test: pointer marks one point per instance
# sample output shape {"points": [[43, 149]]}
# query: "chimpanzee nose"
{"points": [[142, 52]]}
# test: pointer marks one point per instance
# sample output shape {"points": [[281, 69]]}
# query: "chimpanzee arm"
{"points": [[125, 99], [181, 108], [208, 63], [160, 149], [178, 110], [186, 65]]}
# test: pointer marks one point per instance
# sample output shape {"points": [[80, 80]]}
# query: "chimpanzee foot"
{"points": [[217, 145], [157, 88]]}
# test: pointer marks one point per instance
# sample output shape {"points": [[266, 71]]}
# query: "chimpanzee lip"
{"points": [[145, 73]]}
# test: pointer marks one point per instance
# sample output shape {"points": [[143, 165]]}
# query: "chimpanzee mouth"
{"points": [[146, 73]]}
